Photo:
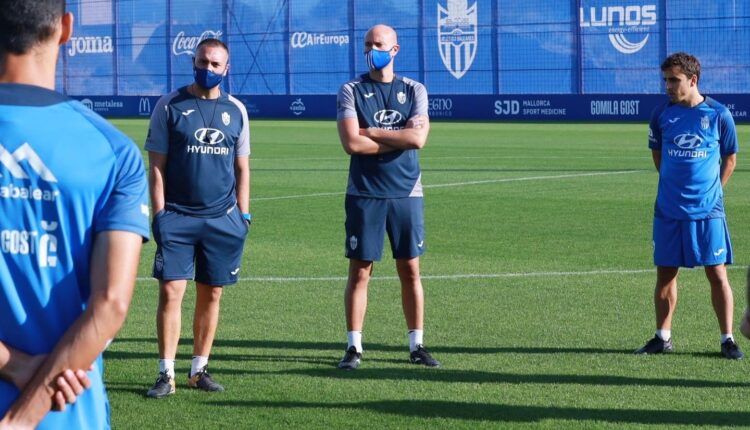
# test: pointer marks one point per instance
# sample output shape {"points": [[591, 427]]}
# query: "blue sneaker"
{"points": [[351, 359], [423, 357], [656, 346], [730, 350], [203, 381]]}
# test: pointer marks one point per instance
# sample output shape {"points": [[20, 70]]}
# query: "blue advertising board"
{"points": [[516, 107], [533, 60]]}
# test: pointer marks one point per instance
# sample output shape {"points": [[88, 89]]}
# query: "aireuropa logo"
{"points": [[90, 45], [621, 20], [688, 141], [185, 45], [457, 36], [303, 39], [297, 107], [144, 106], [388, 117]]}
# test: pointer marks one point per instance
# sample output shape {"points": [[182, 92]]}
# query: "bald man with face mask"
{"points": [[382, 124]]}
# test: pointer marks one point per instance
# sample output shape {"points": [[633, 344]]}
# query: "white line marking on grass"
{"points": [[291, 279], [297, 196], [459, 184], [474, 157], [533, 178]]}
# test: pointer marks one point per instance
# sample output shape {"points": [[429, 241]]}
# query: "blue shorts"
{"points": [[680, 243], [208, 250], [367, 221]]}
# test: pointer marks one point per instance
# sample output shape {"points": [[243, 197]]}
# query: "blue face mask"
{"points": [[377, 59], [206, 78]]}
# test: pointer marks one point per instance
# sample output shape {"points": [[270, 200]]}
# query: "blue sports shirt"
{"points": [[66, 174], [692, 142], [389, 105], [201, 139]]}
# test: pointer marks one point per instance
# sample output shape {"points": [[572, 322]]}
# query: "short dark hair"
{"points": [[25, 23], [689, 65], [210, 42]]}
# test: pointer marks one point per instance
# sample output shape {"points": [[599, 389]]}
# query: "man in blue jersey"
{"points": [[694, 145], [73, 215], [199, 147], [382, 123]]}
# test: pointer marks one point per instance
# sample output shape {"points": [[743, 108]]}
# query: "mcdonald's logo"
{"points": [[144, 106]]}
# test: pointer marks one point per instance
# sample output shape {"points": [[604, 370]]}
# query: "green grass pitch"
{"points": [[538, 283]]}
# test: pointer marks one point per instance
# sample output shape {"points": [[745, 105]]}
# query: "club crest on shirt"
{"points": [[704, 123], [225, 118], [401, 97]]}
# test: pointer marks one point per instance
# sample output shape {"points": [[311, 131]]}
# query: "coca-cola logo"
{"points": [[185, 45]]}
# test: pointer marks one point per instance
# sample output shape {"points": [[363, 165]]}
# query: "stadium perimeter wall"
{"points": [[540, 60]]}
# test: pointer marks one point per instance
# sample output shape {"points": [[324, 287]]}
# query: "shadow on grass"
{"points": [[511, 413], [473, 376], [341, 346], [467, 170]]}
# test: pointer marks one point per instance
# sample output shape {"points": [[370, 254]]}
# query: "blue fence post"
{"points": [[495, 49], [663, 32], [287, 49], [352, 33], [168, 29], [420, 42], [115, 50], [225, 31], [577, 84]]}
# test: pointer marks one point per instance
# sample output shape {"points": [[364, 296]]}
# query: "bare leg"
{"points": [[206, 318], [412, 294], [355, 295], [665, 296], [721, 296], [169, 317]]}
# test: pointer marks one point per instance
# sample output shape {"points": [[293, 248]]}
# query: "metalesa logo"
{"points": [[457, 36], [621, 20]]}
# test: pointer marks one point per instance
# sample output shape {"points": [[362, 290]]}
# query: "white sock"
{"points": [[415, 338], [199, 362], [664, 334], [166, 365], [354, 338], [726, 336]]}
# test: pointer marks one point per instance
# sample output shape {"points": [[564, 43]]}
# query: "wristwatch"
{"points": [[248, 218]]}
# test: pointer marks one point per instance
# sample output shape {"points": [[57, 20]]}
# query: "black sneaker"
{"points": [[163, 386], [351, 359], [657, 346], [730, 350], [423, 357], [203, 381]]}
